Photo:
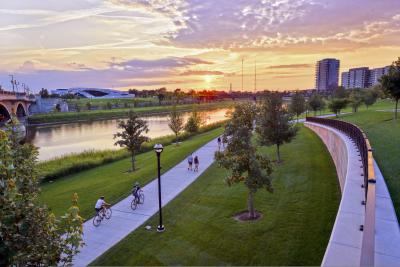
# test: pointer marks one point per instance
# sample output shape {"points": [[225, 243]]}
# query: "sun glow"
{"points": [[208, 79]]}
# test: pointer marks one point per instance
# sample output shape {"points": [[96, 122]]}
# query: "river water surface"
{"points": [[58, 140]]}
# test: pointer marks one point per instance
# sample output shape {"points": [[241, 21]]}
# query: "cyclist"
{"points": [[135, 191], [101, 204]]}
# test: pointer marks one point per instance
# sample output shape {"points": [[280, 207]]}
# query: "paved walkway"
{"points": [[124, 220]]}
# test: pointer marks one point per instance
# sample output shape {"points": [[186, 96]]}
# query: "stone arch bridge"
{"points": [[16, 104]]}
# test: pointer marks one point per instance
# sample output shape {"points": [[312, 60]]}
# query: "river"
{"points": [[58, 140]]}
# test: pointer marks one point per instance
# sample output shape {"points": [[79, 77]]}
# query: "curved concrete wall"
{"points": [[344, 247]]}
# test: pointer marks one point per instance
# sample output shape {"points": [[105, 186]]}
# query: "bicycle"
{"points": [[135, 201], [103, 213]]}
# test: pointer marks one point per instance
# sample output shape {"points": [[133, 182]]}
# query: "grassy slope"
{"points": [[65, 117], [295, 229], [384, 135], [112, 180]]}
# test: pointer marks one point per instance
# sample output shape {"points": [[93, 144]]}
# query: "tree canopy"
{"points": [[391, 83], [30, 234], [337, 104], [132, 136], [241, 157], [175, 121], [274, 126], [298, 104], [316, 103]]}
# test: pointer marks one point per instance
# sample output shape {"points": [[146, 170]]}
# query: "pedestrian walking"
{"points": [[190, 162], [219, 143], [196, 164]]}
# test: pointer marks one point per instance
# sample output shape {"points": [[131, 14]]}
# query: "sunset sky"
{"points": [[147, 44]]}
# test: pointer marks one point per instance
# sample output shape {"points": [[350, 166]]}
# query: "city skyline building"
{"points": [[327, 74], [362, 77]]}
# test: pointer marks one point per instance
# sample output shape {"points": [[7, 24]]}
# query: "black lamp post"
{"points": [[158, 148]]}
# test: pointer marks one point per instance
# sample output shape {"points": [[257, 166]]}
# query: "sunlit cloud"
{"points": [[190, 43]]}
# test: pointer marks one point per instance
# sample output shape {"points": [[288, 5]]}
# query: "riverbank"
{"points": [[294, 230], [51, 170], [113, 180], [84, 116]]}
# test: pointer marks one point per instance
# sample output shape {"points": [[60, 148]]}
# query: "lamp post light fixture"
{"points": [[158, 148]]}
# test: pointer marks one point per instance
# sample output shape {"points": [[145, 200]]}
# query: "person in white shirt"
{"points": [[100, 204]]}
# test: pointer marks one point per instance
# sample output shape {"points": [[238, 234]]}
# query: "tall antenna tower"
{"points": [[242, 74], [255, 76]]}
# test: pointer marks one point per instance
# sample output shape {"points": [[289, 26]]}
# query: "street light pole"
{"points": [[158, 148]]}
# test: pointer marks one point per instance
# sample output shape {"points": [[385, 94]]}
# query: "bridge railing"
{"points": [[365, 149]]}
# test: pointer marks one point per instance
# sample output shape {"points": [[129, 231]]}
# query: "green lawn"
{"points": [[295, 228], [384, 135], [112, 180], [381, 104]]}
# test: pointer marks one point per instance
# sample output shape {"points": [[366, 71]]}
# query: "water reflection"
{"points": [[57, 140]]}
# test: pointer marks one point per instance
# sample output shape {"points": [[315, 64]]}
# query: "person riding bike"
{"points": [[135, 191], [101, 204]]}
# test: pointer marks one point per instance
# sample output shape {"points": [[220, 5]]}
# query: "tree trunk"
{"points": [[250, 205], [395, 112], [278, 154], [133, 161]]}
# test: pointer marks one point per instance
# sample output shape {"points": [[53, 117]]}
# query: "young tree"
{"points": [[339, 92], [161, 98], [370, 97], [274, 125], [298, 104], [391, 83], [316, 103], [44, 93], [241, 157], [131, 136], [336, 105], [175, 121], [356, 98], [30, 234], [77, 107], [194, 122]]}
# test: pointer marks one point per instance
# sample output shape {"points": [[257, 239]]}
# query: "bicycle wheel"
{"points": [[134, 204], [96, 220], [141, 197], [108, 213]]}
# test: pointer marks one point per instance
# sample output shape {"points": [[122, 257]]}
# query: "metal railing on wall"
{"points": [[365, 150]]}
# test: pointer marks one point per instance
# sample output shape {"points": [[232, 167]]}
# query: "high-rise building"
{"points": [[345, 79], [327, 74], [376, 74], [359, 77], [362, 77]]}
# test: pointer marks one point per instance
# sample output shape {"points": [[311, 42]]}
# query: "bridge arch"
{"points": [[20, 110], [4, 114]]}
